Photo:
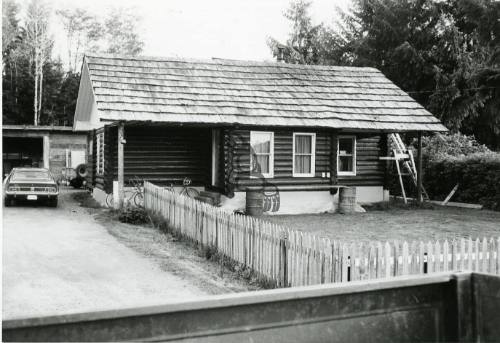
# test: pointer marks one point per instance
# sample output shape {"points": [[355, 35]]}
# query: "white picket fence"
{"points": [[293, 258]]}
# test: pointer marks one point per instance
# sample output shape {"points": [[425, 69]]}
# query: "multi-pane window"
{"points": [[100, 153], [262, 153], [346, 149], [304, 147]]}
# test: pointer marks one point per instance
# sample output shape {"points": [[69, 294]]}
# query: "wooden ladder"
{"points": [[404, 155]]}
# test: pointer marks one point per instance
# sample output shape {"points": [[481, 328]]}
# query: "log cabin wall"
{"points": [[97, 179], [283, 159], [369, 170], [167, 155]]}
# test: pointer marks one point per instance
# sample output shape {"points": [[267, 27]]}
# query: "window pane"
{"points": [[345, 164], [345, 146], [263, 164], [31, 174], [303, 164], [261, 142], [303, 144]]}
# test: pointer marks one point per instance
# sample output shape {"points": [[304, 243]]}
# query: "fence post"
{"points": [[283, 259]]}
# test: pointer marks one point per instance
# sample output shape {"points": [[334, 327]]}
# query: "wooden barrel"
{"points": [[254, 203], [347, 200]]}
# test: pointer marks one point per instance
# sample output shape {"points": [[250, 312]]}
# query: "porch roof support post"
{"points": [[419, 168], [333, 161], [46, 151], [121, 178]]}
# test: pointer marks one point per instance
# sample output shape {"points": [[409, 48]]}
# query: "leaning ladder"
{"points": [[405, 156]]}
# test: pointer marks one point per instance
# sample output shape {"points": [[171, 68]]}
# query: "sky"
{"points": [[234, 29]]}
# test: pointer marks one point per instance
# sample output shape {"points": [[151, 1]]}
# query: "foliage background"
{"points": [[454, 159], [478, 176], [445, 54], [113, 32]]}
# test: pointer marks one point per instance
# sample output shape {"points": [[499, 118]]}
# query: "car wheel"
{"points": [[53, 202], [7, 202]]}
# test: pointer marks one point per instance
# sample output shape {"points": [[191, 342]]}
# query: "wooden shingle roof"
{"points": [[252, 93]]}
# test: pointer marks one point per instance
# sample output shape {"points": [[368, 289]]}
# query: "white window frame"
{"points": [[313, 154], [354, 157], [99, 142], [271, 155]]}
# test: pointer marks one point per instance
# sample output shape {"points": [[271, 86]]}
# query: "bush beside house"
{"points": [[457, 159], [478, 176]]}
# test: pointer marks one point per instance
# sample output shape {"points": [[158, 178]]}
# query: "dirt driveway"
{"points": [[62, 260]]}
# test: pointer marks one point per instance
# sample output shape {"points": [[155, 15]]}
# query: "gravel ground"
{"points": [[64, 260], [396, 223]]}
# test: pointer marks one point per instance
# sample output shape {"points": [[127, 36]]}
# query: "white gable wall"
{"points": [[86, 113]]}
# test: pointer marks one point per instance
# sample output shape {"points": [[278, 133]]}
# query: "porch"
{"points": [[162, 154]]}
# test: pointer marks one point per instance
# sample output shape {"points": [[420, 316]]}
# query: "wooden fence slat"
{"points": [[355, 262], [476, 255], [484, 256], [421, 256], [388, 260], [395, 259], [405, 265], [491, 260], [445, 256], [380, 260], [372, 263], [438, 264]]}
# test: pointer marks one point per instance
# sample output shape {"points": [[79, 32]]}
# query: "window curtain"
{"points": [[262, 147], [346, 156], [345, 164], [303, 151], [261, 152], [263, 162]]}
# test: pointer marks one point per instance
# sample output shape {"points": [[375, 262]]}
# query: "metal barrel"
{"points": [[254, 202], [347, 200]]}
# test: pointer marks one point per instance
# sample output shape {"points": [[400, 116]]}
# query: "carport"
{"points": [[22, 152], [51, 147]]}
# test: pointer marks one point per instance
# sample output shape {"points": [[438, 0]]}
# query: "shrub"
{"points": [[455, 158], [478, 176], [441, 146], [133, 215]]}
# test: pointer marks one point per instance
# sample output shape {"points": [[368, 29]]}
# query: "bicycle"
{"points": [[186, 191], [135, 195]]}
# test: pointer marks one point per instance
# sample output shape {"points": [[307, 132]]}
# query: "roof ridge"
{"points": [[227, 61]]}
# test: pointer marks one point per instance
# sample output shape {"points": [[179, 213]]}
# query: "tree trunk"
{"points": [[35, 103], [37, 61], [40, 98]]}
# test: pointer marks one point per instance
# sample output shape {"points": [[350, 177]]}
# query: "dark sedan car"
{"points": [[32, 185]]}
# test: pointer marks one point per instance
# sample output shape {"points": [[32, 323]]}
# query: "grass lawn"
{"points": [[397, 223]]}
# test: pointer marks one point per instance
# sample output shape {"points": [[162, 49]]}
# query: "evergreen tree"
{"points": [[445, 54], [36, 87]]}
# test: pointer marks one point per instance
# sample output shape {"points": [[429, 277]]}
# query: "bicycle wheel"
{"points": [[191, 192], [109, 200], [139, 199]]}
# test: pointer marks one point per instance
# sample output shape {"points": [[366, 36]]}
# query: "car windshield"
{"points": [[30, 174]]}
